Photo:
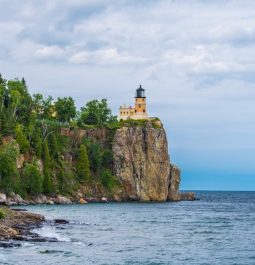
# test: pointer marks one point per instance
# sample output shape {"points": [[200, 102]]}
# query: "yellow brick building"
{"points": [[139, 111]]}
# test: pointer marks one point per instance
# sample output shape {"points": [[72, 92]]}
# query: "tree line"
{"points": [[30, 128]]}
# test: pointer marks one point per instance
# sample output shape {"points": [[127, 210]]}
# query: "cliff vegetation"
{"points": [[50, 147]]}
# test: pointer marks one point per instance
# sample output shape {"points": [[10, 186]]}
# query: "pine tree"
{"points": [[21, 139], [33, 179], [83, 166], [47, 182]]}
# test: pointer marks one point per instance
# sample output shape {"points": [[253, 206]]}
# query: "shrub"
{"points": [[108, 180], [2, 214]]}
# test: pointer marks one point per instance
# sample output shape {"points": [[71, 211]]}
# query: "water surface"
{"points": [[217, 229]]}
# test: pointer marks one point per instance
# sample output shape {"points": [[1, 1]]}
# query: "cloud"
{"points": [[49, 52], [107, 56], [195, 58]]}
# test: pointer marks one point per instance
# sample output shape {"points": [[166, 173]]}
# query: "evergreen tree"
{"points": [[47, 182], [21, 139], [53, 144], [32, 179], [107, 179], [9, 177], [38, 145], [82, 166]]}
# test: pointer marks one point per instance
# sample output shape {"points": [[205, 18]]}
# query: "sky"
{"points": [[195, 58]]}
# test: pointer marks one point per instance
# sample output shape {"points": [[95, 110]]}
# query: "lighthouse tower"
{"points": [[140, 104], [138, 112]]}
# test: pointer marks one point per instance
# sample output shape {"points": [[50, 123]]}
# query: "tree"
{"points": [[53, 146], [82, 165], [9, 178], [107, 179], [47, 182], [65, 109], [21, 139], [2, 92], [96, 113], [107, 158], [32, 179], [95, 157]]}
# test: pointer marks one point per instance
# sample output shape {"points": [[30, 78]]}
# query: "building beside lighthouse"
{"points": [[139, 111]]}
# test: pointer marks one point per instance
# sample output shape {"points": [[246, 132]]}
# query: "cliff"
{"points": [[142, 164], [138, 159]]}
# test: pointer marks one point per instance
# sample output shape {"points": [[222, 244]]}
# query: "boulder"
{"points": [[116, 198], [40, 199], [92, 199], [174, 195], [62, 200], [188, 196], [82, 201], [15, 199], [104, 199], [3, 198], [61, 221]]}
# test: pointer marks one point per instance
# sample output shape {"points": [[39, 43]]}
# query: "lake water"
{"points": [[217, 229]]}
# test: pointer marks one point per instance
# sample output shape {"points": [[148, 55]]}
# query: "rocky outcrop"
{"points": [[141, 162], [16, 224]]}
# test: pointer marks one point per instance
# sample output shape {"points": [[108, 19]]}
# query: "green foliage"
{"points": [[101, 160], [2, 214], [46, 154], [83, 166], [95, 156], [131, 123], [38, 144], [21, 139], [96, 113], [65, 109], [32, 179], [107, 158], [9, 177], [108, 180], [36, 122], [66, 180], [47, 182]]}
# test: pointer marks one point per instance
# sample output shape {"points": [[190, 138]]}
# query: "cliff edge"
{"points": [[142, 164]]}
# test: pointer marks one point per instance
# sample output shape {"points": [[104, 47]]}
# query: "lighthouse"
{"points": [[138, 112]]}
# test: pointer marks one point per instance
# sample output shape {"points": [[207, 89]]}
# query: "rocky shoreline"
{"points": [[15, 199], [17, 225]]}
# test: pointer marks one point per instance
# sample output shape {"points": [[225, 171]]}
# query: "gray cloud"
{"points": [[195, 58]]}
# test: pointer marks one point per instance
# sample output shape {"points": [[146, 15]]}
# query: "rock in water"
{"points": [[61, 221], [62, 200]]}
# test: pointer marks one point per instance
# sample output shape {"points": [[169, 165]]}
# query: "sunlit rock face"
{"points": [[141, 162]]}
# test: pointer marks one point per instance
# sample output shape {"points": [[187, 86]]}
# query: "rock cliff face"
{"points": [[141, 163]]}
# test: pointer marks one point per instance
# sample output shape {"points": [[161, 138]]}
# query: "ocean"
{"points": [[219, 228]]}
